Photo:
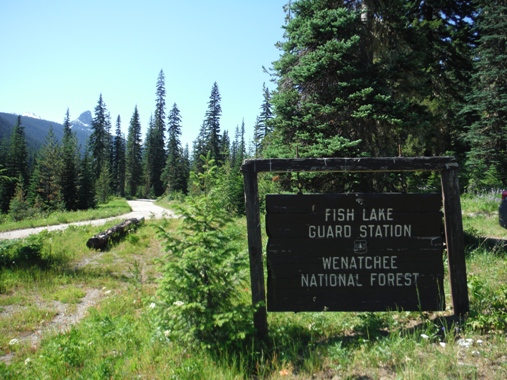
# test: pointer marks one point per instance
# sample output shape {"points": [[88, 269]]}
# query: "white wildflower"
{"points": [[178, 303], [424, 336], [465, 342], [167, 333], [27, 361], [13, 342], [152, 305]]}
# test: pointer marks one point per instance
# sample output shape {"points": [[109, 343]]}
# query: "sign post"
{"points": [[355, 252]]}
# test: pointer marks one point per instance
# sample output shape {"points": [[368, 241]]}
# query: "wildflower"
{"points": [[152, 305], [13, 342], [424, 336], [167, 333], [465, 342], [27, 361], [178, 303]]}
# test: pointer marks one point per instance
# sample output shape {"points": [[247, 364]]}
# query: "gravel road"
{"points": [[140, 208]]}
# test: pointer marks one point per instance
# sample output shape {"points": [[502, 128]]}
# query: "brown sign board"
{"points": [[355, 252]]}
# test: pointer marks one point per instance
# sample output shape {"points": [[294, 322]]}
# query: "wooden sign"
{"points": [[355, 252]]}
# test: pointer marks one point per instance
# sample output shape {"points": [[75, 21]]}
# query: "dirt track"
{"points": [[140, 208]]}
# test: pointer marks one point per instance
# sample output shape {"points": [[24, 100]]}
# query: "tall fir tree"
{"points": [[367, 78], [46, 179], [199, 149], [155, 141], [134, 156], [86, 182], [263, 127], [175, 176], [70, 166], [148, 157], [119, 160], [212, 125], [16, 165], [100, 139], [487, 102]]}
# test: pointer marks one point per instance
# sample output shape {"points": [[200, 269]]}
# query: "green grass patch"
{"points": [[119, 336], [115, 207], [70, 294]]}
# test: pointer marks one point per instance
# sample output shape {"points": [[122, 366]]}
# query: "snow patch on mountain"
{"points": [[84, 121], [32, 115]]}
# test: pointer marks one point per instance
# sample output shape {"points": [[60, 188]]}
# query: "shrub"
{"points": [[200, 297]]}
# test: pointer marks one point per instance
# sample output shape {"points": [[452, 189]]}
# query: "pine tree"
{"points": [[442, 38], [148, 156], [199, 149], [119, 160], [488, 100], [16, 165], [155, 149], [133, 159], [225, 147], [263, 127], [212, 125], [86, 183], [70, 166], [46, 181], [175, 176], [100, 139]]}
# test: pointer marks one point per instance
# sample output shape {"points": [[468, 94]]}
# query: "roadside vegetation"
{"points": [[114, 207], [131, 312]]}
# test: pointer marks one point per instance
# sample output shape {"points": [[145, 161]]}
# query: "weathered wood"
{"points": [[368, 164], [455, 242], [447, 166], [325, 252], [255, 253], [101, 240]]}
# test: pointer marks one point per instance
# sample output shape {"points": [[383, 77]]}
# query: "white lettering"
{"points": [[393, 279]]}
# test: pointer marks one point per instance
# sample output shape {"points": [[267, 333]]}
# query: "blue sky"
{"points": [[60, 54]]}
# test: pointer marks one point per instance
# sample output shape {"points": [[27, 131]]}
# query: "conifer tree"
{"points": [[119, 160], [225, 147], [155, 149], [46, 180], [175, 176], [199, 149], [86, 188], [263, 126], [16, 165], [212, 125], [487, 136], [148, 156], [100, 139], [70, 166], [133, 159]]}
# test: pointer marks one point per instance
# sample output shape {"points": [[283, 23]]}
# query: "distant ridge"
{"points": [[37, 129]]}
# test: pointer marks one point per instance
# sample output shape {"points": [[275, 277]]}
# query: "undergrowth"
{"points": [[135, 330]]}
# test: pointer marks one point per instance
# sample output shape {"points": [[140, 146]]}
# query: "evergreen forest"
{"points": [[354, 78]]}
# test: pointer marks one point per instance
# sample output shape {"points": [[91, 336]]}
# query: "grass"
{"points": [[114, 207], [118, 337]]}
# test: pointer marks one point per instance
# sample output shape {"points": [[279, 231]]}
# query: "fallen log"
{"points": [[101, 240]]}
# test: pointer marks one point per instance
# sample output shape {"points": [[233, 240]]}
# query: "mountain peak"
{"points": [[84, 121], [32, 115]]}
